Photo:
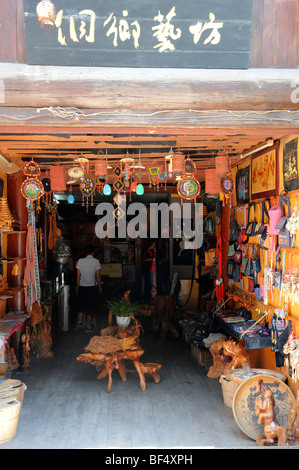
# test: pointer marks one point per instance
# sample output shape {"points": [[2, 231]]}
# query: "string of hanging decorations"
{"points": [[127, 178]]}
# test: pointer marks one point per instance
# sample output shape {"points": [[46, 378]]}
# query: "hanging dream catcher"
{"points": [[87, 188], [227, 186], [188, 187], [32, 188]]}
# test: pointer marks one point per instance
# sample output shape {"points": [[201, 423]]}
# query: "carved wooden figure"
{"points": [[293, 423], [238, 354], [264, 409], [217, 368]]}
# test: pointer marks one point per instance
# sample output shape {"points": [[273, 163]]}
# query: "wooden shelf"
{"points": [[11, 260]]}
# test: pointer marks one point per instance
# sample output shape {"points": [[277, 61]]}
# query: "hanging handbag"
{"points": [[250, 284], [237, 274], [230, 269], [275, 213], [234, 230], [285, 239], [250, 229], [277, 273], [265, 239], [238, 256]]}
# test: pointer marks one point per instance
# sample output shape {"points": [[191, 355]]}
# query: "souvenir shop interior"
{"points": [[233, 300]]}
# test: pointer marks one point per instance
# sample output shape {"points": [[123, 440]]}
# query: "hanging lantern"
{"points": [[178, 162], [212, 182], [140, 189], [133, 187], [46, 14], [100, 168], [58, 178], [106, 189], [75, 172], [222, 163]]}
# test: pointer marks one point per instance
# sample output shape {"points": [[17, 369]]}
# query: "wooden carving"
{"points": [[217, 368], [264, 409], [116, 360], [238, 354], [293, 423]]}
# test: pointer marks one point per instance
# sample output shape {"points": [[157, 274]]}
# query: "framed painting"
{"points": [[243, 186], [264, 172], [290, 165]]}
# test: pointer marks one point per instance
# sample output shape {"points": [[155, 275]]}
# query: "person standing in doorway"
{"points": [[88, 284], [148, 269]]}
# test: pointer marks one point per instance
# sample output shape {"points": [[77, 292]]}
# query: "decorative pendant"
{"points": [[87, 188]]}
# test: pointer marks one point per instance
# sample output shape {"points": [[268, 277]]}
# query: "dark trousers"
{"points": [[87, 299]]}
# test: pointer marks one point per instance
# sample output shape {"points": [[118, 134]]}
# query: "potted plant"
{"points": [[123, 311]]}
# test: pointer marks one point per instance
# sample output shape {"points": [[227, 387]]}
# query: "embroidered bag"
{"points": [[250, 284], [274, 215], [250, 229], [234, 230], [230, 269], [238, 256], [277, 273], [285, 239], [237, 275]]}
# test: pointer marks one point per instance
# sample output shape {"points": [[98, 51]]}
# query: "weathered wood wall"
{"points": [[274, 37]]}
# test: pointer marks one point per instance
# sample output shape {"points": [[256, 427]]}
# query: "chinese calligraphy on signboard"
{"points": [[197, 34]]}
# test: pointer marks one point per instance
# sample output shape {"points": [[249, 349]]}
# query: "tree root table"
{"points": [[116, 360]]}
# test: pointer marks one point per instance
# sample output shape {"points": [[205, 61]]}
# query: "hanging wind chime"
{"points": [[87, 187], [227, 184], [32, 188]]}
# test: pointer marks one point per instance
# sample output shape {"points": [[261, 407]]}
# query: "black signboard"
{"points": [[142, 33]]}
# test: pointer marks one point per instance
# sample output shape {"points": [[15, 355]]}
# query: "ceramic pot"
{"points": [[46, 13], [123, 322]]}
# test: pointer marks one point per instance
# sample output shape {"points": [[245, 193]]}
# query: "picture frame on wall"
{"points": [[243, 185], [290, 165], [264, 172]]}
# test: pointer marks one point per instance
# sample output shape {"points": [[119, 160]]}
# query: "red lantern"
{"points": [[58, 178], [133, 187], [222, 163], [178, 163], [100, 168], [212, 181]]}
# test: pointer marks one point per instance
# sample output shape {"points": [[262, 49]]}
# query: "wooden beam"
{"points": [[153, 122], [147, 89]]}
